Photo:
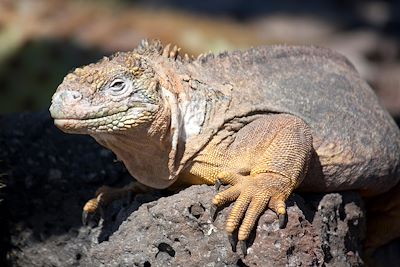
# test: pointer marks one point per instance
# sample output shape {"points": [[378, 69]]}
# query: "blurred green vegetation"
{"points": [[30, 74]]}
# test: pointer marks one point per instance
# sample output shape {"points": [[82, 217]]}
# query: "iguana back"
{"points": [[357, 141]]}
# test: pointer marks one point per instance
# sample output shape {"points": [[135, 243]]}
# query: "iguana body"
{"points": [[267, 121]]}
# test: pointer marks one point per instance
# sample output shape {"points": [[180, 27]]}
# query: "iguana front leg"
{"points": [[264, 162]]}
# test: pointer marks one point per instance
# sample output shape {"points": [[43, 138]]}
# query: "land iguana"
{"points": [[266, 121]]}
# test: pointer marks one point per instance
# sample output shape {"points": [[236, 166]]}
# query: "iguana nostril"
{"points": [[71, 96], [76, 95]]}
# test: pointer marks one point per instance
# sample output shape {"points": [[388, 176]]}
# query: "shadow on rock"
{"points": [[49, 177]]}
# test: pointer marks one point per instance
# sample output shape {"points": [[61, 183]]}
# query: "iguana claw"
{"points": [[90, 218], [85, 216], [282, 220], [213, 212], [243, 247], [232, 241], [213, 209], [218, 184]]}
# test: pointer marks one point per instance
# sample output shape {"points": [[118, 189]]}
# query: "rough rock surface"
{"points": [[50, 175], [177, 231]]}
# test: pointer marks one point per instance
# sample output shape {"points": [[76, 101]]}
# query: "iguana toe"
{"points": [[257, 206], [226, 196], [238, 211], [277, 204], [90, 210], [94, 208]]}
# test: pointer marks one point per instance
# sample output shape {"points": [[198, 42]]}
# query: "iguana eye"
{"points": [[117, 85]]}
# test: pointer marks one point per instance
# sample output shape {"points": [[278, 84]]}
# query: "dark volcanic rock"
{"points": [[50, 175], [177, 231]]}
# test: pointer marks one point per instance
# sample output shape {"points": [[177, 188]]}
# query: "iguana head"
{"points": [[112, 95]]}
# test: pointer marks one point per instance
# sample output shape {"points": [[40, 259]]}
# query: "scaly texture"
{"points": [[263, 161], [257, 120]]}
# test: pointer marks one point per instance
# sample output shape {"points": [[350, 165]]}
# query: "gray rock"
{"points": [[177, 231]]}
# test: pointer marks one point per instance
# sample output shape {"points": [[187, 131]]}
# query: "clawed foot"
{"points": [[94, 208], [92, 214], [253, 195]]}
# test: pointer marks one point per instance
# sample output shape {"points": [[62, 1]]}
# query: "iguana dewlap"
{"points": [[266, 121]]}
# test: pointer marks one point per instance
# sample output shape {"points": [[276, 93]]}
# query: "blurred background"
{"points": [[41, 40]]}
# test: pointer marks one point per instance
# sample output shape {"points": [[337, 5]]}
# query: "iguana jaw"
{"points": [[120, 121]]}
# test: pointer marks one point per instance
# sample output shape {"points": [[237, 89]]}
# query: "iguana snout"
{"points": [[62, 99]]}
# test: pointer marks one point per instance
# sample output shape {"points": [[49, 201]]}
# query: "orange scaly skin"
{"points": [[266, 121], [264, 162]]}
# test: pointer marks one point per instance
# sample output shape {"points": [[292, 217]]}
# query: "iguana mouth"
{"points": [[115, 122]]}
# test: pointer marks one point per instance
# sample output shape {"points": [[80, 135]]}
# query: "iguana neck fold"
{"points": [[196, 106], [144, 150]]}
